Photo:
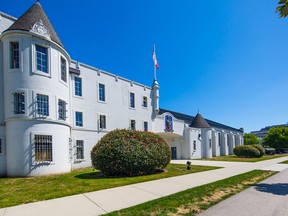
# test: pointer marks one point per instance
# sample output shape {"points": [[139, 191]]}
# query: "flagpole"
{"points": [[154, 66]]}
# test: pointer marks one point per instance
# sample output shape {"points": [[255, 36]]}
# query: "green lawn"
{"points": [[15, 191], [285, 162], [195, 200], [239, 159]]}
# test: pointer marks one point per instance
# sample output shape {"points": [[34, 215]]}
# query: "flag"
{"points": [[155, 59]]}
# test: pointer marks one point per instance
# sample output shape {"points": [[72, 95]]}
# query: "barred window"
{"points": [[19, 102], [63, 70], [43, 105], [61, 109], [102, 122], [42, 58], [132, 124], [79, 119], [145, 101], [43, 148], [14, 55], [101, 92], [145, 126], [79, 149], [78, 86], [132, 100]]}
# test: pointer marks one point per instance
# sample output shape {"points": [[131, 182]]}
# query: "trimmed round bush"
{"points": [[260, 149], [246, 151], [130, 153]]}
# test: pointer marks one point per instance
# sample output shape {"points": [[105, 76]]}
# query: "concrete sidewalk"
{"points": [[104, 201]]}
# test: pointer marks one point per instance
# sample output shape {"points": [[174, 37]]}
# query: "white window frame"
{"points": [[79, 111], [145, 107], [64, 111], [76, 150], [33, 141], [74, 87], [20, 69], [130, 124], [66, 70], [99, 98], [49, 101], [132, 107], [11, 67], [45, 44], [25, 91], [99, 121]]}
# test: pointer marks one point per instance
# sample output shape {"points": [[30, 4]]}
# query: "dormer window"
{"points": [[41, 58]]}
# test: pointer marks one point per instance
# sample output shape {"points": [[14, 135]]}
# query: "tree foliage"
{"points": [[277, 138], [250, 139], [282, 8], [130, 153]]}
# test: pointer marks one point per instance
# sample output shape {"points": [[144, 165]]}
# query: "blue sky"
{"points": [[226, 58]]}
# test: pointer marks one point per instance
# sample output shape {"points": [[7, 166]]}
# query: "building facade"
{"points": [[53, 110]]}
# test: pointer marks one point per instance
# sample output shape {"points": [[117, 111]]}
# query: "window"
{"points": [[78, 86], [43, 148], [210, 143], [42, 59], [145, 101], [79, 119], [219, 139], [194, 145], [132, 124], [61, 109], [19, 102], [132, 100], [102, 122], [145, 125], [79, 149], [101, 92], [14, 55], [63, 70], [1, 147], [43, 105]]}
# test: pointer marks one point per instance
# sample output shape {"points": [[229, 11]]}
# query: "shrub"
{"points": [[130, 153], [260, 149], [246, 151]]}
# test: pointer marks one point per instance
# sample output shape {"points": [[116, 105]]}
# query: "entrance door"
{"points": [[174, 152]]}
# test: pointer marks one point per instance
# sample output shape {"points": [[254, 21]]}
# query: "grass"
{"points": [[15, 191], [195, 200], [239, 159]]}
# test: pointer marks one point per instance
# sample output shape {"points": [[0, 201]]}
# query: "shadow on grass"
{"points": [[99, 175], [277, 189]]}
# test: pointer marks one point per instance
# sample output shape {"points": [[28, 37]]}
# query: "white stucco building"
{"points": [[53, 110]]}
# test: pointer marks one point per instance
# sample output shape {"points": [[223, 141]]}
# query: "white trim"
{"points": [[98, 92], [25, 101], [60, 70], [74, 118], [129, 101], [32, 136], [21, 56], [98, 122]]}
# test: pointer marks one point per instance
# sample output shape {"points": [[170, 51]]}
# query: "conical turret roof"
{"points": [[31, 17], [199, 122]]}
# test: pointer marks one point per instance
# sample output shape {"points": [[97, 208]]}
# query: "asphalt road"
{"points": [[267, 198]]}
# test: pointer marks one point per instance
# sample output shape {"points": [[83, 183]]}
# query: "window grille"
{"points": [[78, 86], [42, 105], [19, 102], [101, 92], [41, 58], [14, 55], [133, 125], [63, 70], [132, 100], [62, 109], [102, 122], [79, 149], [43, 148]]}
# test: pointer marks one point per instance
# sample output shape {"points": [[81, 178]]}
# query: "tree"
{"points": [[277, 138], [282, 8], [250, 139]]}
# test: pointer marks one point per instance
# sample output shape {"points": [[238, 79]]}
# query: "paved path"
{"points": [[268, 198], [104, 201]]}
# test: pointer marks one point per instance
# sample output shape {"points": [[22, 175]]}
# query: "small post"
{"points": [[188, 163]]}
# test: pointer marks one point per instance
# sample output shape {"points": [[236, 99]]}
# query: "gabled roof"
{"points": [[199, 122], [188, 119], [33, 15]]}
